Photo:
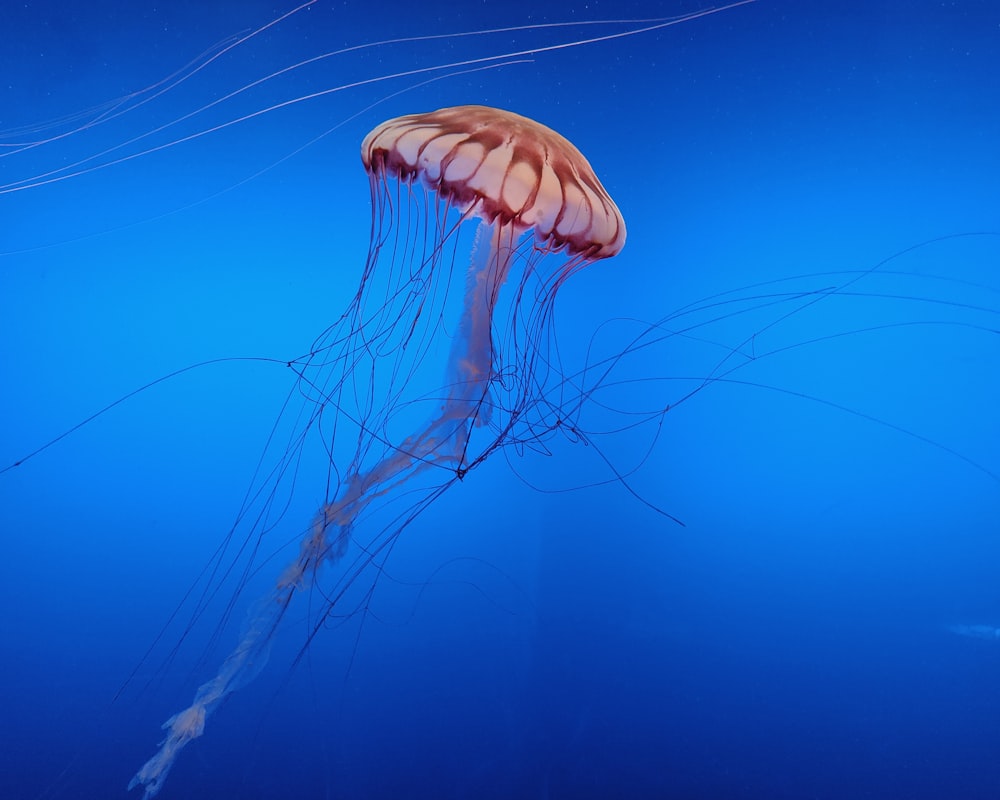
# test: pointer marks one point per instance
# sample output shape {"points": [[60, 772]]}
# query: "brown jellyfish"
{"points": [[376, 409]]}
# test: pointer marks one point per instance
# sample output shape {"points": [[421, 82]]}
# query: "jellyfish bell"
{"points": [[506, 169], [536, 198]]}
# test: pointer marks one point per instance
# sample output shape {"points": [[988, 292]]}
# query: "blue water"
{"points": [[817, 626]]}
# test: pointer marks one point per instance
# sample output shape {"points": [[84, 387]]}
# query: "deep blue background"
{"points": [[791, 640]]}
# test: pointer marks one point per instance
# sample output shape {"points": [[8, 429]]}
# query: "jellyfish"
{"points": [[541, 215]]}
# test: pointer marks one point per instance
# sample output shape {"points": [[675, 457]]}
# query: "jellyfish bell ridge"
{"points": [[504, 168]]}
